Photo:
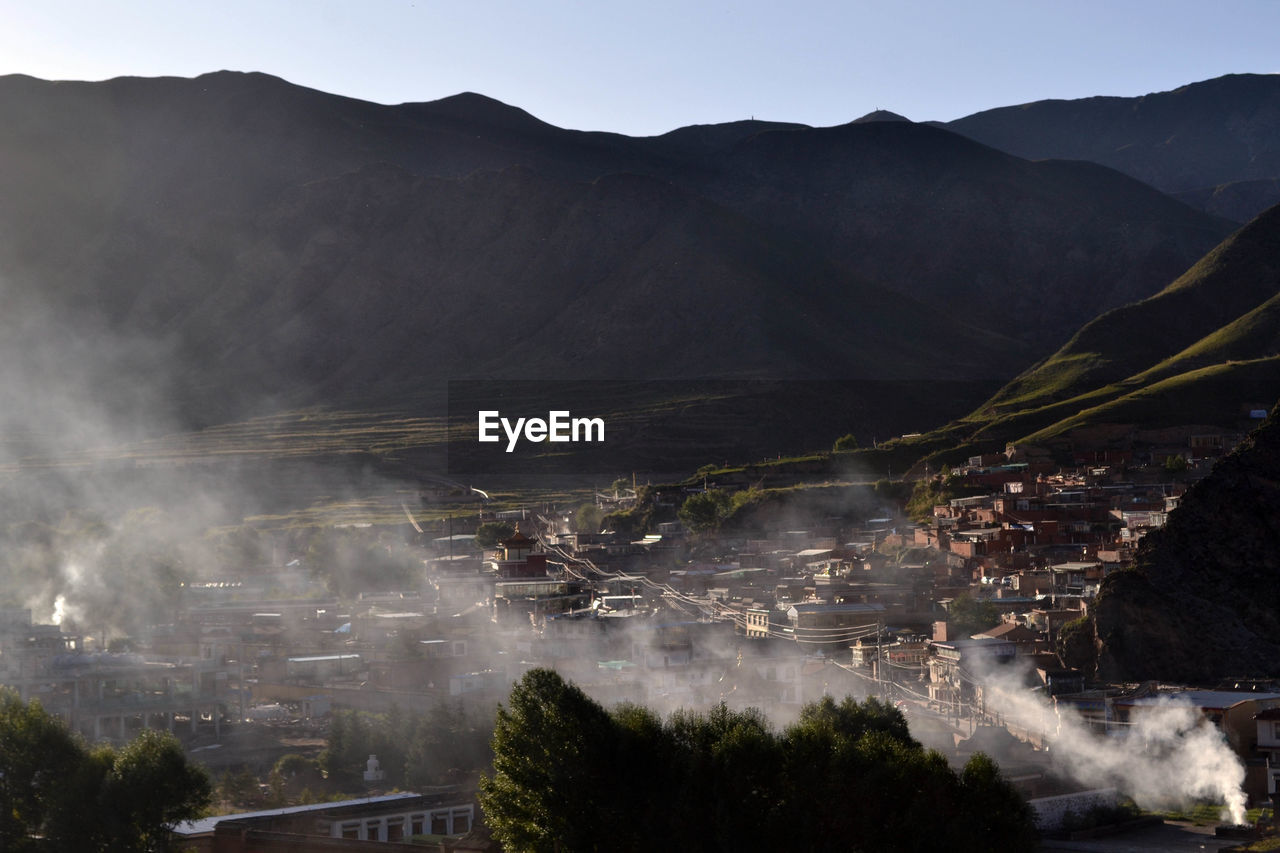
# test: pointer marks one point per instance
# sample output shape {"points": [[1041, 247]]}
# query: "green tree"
{"points": [[587, 519], [845, 443], [852, 719], [151, 787], [239, 788], [705, 511], [552, 770], [37, 753], [489, 534], [932, 491], [56, 795], [1076, 645], [570, 776], [996, 816], [968, 615], [446, 743]]}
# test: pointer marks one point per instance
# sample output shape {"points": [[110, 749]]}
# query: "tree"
{"points": [[552, 773], [36, 753], [968, 615], [704, 511], [1175, 466], [1076, 645], [489, 534], [56, 795], [569, 775], [240, 788], [846, 443], [151, 787], [588, 518]]}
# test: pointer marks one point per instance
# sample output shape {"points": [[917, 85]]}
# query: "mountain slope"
{"points": [[1191, 354], [1204, 598], [247, 244], [1198, 141]]}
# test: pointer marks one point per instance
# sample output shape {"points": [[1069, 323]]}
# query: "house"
{"points": [[1026, 641], [326, 826], [955, 664], [819, 624], [1235, 714], [520, 558], [1268, 740]]}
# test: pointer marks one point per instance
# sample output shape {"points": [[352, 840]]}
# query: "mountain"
{"points": [[1203, 600], [1215, 144], [242, 245], [1191, 354]]}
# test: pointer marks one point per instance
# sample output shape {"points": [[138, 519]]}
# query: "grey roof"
{"points": [[824, 607], [207, 824], [1215, 699]]}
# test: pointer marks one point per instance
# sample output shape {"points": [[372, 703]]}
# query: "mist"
{"points": [[99, 532], [1168, 757]]}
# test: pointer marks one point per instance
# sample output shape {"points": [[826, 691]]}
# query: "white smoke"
{"points": [[1168, 756]]}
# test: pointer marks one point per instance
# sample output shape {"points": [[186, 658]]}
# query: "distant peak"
{"points": [[471, 106], [880, 115], [242, 78]]}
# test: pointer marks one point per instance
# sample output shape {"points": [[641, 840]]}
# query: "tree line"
{"points": [[441, 746], [58, 794], [569, 775]]}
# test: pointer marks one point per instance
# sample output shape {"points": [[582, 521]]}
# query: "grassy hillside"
{"points": [[1191, 354]]}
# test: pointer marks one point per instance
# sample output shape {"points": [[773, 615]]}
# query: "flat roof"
{"points": [[823, 607], [207, 824], [1202, 698], [315, 658]]}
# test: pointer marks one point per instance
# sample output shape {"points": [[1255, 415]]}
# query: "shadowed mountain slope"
{"points": [[1204, 598], [1215, 143], [247, 244]]}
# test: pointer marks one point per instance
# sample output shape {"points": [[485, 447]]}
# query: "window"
{"points": [[461, 821], [439, 823]]}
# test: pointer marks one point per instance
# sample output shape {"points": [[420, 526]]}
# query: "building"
{"points": [[344, 825], [1268, 740]]}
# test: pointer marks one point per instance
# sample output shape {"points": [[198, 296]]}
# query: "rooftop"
{"points": [[207, 824]]}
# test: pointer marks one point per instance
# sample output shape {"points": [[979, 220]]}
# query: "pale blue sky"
{"points": [[645, 68]]}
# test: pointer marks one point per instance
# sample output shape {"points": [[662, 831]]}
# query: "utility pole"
{"points": [[880, 658]]}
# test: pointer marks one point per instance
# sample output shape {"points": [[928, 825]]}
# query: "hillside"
{"points": [[1215, 144], [241, 245], [1191, 354], [1203, 600]]}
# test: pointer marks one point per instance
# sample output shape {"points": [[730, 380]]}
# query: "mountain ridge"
{"points": [[216, 218], [1187, 141]]}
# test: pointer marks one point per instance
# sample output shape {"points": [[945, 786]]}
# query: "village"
{"points": [[941, 618]]}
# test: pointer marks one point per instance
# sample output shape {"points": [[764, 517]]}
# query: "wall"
{"points": [[1049, 811]]}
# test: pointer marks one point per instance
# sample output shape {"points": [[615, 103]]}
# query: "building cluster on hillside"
{"points": [[864, 606]]}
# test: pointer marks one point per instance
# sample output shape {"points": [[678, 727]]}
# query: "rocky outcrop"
{"points": [[1203, 601]]}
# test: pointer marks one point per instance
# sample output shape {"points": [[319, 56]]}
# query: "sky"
{"points": [[646, 68]]}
